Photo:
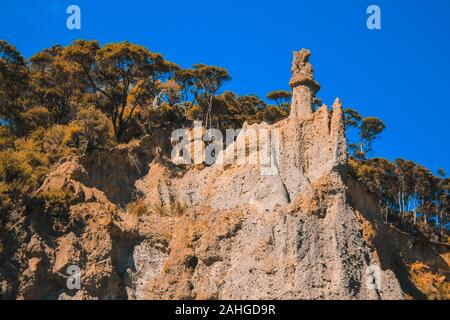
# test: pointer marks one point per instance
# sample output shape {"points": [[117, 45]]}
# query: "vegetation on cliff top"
{"points": [[73, 100]]}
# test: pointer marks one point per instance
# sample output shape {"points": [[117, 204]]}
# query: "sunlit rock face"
{"points": [[224, 231]]}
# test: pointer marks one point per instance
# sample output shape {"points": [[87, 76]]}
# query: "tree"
{"points": [[406, 172], [231, 110], [409, 195], [369, 129], [316, 102], [274, 114], [91, 131], [281, 98], [444, 201], [171, 92], [441, 173], [249, 105], [381, 179], [422, 185], [51, 86], [352, 118], [114, 72], [207, 81], [185, 78], [13, 86]]}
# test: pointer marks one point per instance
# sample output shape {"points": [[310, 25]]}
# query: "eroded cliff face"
{"points": [[234, 231]]}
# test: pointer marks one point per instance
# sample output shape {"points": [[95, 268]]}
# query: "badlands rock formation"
{"points": [[298, 228]]}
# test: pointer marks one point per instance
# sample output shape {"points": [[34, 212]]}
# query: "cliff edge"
{"points": [[292, 225]]}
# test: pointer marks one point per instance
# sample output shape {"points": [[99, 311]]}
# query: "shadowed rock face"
{"points": [[217, 232]]}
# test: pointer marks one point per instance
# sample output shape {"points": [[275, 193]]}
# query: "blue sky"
{"points": [[400, 73]]}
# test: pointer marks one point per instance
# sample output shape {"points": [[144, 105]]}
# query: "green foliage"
{"points": [[13, 83], [54, 142], [55, 204], [6, 202], [171, 91], [195, 113], [6, 138], [441, 173], [156, 117], [409, 194], [22, 170], [52, 86], [57, 199], [36, 117], [198, 87], [352, 118], [274, 114], [368, 128], [316, 102], [91, 130], [116, 71], [231, 110], [208, 79], [282, 98]]}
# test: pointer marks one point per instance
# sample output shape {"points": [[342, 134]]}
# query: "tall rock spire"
{"points": [[303, 85], [337, 130]]}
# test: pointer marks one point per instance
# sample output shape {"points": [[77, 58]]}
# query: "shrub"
{"points": [[6, 137], [23, 166], [274, 114], [175, 209], [195, 113], [54, 205], [178, 209], [433, 283], [150, 117], [52, 142], [37, 117], [90, 131], [57, 198], [160, 210], [17, 179], [5, 199], [137, 208]]}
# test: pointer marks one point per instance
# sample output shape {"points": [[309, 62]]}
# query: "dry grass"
{"points": [[433, 284], [167, 235], [166, 267], [178, 209], [367, 228], [160, 210], [138, 208], [175, 209]]}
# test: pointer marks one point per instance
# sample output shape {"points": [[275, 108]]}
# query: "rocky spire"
{"points": [[303, 85], [337, 130]]}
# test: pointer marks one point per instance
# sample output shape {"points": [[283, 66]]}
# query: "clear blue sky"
{"points": [[400, 73]]}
